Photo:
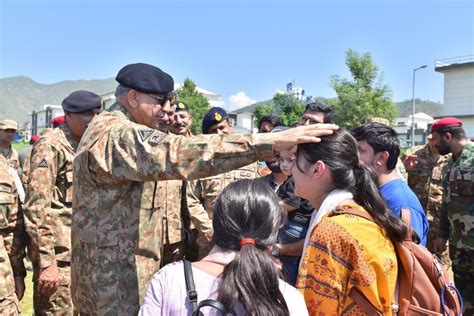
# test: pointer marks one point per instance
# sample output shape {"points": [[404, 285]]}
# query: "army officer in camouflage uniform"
{"points": [[48, 204], [457, 212], [12, 243], [425, 167], [121, 150]]}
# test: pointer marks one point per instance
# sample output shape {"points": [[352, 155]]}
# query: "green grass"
{"points": [[20, 145], [26, 302]]}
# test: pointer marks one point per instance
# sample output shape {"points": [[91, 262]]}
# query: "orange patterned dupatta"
{"points": [[346, 251]]}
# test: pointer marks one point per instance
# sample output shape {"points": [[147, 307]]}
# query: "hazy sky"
{"points": [[242, 50]]}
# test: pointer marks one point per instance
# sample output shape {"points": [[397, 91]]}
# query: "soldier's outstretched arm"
{"points": [[135, 152]]}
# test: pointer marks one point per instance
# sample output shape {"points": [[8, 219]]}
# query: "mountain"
{"points": [[21, 95], [429, 107]]}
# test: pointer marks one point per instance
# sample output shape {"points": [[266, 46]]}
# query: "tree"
{"points": [[289, 108], [286, 106], [197, 102], [362, 97]]}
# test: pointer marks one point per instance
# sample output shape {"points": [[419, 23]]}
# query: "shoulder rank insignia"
{"points": [[145, 133]]}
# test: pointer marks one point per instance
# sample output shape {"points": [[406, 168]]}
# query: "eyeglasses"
{"points": [[161, 99]]}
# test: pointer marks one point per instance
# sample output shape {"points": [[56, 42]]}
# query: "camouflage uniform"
{"points": [[48, 211], [426, 180], [12, 241], [207, 190], [115, 161], [12, 156], [457, 222]]}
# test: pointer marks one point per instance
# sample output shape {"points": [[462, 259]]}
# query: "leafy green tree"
{"points": [[197, 102], [362, 97], [286, 106]]}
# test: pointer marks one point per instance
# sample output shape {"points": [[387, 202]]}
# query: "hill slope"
{"points": [[21, 95]]}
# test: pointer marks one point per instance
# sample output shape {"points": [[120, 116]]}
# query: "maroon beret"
{"points": [[445, 122], [57, 121]]}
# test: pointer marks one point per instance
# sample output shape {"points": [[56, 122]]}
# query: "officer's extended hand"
{"points": [[48, 280], [439, 245], [289, 138], [19, 287], [410, 162]]}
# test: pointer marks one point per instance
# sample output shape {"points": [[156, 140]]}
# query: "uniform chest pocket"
{"points": [[462, 184], [7, 200]]}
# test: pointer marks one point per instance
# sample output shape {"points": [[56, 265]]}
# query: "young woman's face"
{"points": [[287, 160], [304, 185]]}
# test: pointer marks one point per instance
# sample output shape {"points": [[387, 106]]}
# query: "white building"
{"points": [[403, 127], [459, 89], [42, 119]]}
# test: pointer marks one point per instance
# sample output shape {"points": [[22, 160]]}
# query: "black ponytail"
{"points": [[247, 209], [339, 152]]}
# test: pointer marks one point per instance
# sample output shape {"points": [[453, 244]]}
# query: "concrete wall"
{"points": [[459, 91]]}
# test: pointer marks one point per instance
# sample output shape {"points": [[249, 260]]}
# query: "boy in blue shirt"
{"points": [[379, 148]]}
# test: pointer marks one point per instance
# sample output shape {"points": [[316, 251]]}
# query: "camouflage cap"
{"points": [[8, 124]]}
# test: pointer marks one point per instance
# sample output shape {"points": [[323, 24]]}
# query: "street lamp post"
{"points": [[413, 107]]}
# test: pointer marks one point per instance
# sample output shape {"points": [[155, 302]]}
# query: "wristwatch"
{"points": [[276, 250]]}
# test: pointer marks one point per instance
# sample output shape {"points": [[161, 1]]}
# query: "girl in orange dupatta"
{"points": [[345, 253]]}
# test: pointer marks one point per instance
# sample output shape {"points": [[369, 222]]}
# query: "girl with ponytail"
{"points": [[345, 254], [239, 272]]}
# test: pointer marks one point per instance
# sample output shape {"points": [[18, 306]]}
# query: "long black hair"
{"points": [[248, 209], [339, 152]]}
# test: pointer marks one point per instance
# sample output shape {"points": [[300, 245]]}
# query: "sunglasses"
{"points": [[161, 99]]}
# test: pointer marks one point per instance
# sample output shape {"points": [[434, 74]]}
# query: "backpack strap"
{"points": [[405, 215], [188, 276], [352, 211]]}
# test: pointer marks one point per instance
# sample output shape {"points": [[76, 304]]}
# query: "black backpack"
{"points": [[192, 294]]}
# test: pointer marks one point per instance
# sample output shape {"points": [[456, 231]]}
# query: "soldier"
{"points": [[171, 223], [205, 191], [121, 150], [425, 177], [8, 130], [48, 204], [198, 229], [12, 243], [457, 211]]}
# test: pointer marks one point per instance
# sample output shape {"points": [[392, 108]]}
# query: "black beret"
{"points": [[181, 106], [214, 116], [81, 101], [145, 78]]}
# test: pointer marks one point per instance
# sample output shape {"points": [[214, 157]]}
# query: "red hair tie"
{"points": [[247, 241]]}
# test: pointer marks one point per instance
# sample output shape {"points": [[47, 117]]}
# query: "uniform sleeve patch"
{"points": [[43, 164], [145, 133], [156, 138]]}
